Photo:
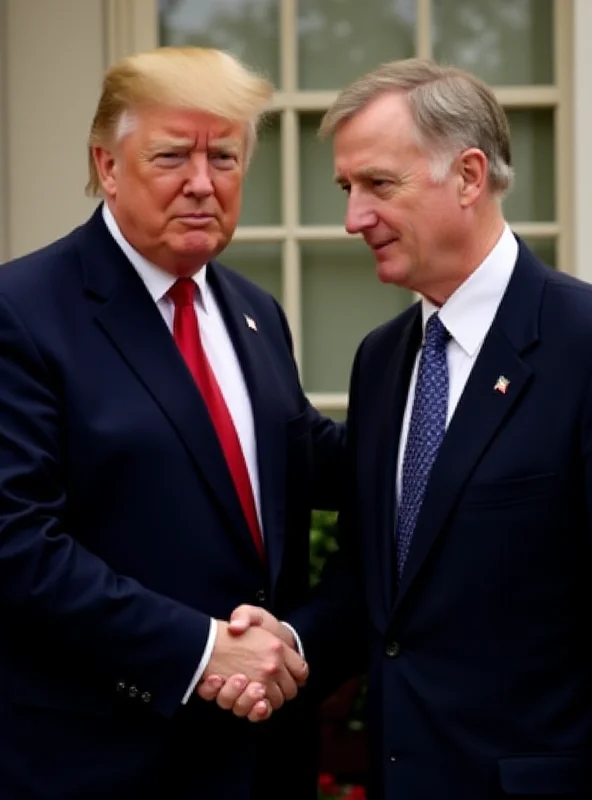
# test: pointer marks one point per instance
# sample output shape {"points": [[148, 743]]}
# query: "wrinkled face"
{"points": [[412, 224], [174, 185]]}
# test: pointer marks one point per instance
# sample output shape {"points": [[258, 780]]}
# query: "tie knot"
{"points": [[436, 333], [182, 292]]}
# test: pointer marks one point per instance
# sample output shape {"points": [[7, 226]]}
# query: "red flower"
{"points": [[356, 793], [327, 784]]}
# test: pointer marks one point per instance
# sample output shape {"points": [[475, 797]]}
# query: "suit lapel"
{"points": [[252, 350], [130, 319], [482, 409], [387, 431]]}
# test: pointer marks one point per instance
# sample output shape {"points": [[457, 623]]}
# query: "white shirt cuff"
{"points": [[205, 660], [296, 639]]}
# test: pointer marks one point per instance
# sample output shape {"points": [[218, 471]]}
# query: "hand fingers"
{"points": [[296, 666], [275, 695], [231, 691], [261, 711], [286, 684], [244, 617], [209, 688], [246, 702]]}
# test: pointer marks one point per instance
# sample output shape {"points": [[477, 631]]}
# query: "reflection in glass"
{"points": [[261, 191], [322, 202], [339, 40], [246, 28], [260, 262], [533, 197], [342, 299], [545, 249], [502, 41]]}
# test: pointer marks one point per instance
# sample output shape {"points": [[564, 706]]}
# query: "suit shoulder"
{"points": [[39, 268], [569, 298]]}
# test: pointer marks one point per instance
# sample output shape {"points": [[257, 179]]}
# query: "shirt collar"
{"points": [[157, 281], [469, 311]]}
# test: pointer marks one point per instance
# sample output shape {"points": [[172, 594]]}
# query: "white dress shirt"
{"points": [[467, 315], [223, 361]]}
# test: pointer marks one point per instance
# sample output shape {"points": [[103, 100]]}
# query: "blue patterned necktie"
{"points": [[426, 431]]}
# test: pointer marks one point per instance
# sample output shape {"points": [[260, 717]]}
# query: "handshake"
{"points": [[254, 667]]}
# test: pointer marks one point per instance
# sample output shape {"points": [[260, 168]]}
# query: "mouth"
{"points": [[197, 220], [380, 247]]}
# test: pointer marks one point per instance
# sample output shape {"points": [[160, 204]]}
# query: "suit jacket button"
{"points": [[261, 596], [393, 649], [133, 691], [146, 697]]}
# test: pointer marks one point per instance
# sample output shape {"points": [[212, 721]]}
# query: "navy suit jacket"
{"points": [[121, 533], [480, 673]]}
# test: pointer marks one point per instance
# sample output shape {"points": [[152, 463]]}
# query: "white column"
{"points": [[582, 138]]}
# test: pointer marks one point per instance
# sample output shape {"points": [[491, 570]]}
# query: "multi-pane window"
{"points": [[291, 238]]}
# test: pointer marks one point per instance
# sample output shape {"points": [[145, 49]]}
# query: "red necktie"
{"points": [[186, 333]]}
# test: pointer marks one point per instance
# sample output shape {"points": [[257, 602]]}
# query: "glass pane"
{"points": [[545, 249], [322, 202], [342, 299], [261, 193], [260, 262], [246, 28], [339, 415], [502, 41], [533, 197], [339, 40]]}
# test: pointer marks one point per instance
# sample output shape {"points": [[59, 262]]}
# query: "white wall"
{"points": [[53, 60]]}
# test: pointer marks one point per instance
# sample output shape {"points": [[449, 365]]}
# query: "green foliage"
{"points": [[323, 542]]}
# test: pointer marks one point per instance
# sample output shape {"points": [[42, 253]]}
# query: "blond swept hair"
{"points": [[451, 110], [194, 78]]}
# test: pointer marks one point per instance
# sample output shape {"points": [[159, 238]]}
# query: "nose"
{"points": [[358, 216], [199, 180]]}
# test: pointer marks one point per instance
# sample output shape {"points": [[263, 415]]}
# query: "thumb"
{"points": [[244, 617]]}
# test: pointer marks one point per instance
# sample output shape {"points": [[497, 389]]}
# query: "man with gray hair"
{"points": [[468, 504], [158, 465]]}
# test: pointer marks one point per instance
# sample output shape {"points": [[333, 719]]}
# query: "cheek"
{"points": [[165, 189], [229, 196]]}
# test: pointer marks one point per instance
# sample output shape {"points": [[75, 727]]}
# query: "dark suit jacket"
{"points": [[480, 676], [121, 533]]}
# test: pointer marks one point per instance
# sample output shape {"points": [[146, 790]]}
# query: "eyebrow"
{"points": [[371, 172], [166, 144], [226, 143]]}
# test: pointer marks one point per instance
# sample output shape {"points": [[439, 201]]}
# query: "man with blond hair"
{"points": [[467, 522], [158, 464]]}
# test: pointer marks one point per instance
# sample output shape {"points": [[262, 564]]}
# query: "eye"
{"points": [[345, 187], [224, 160], [170, 158]]}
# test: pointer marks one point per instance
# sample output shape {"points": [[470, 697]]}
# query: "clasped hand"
{"points": [[254, 667]]}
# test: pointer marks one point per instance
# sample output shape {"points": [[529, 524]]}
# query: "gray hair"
{"points": [[451, 110]]}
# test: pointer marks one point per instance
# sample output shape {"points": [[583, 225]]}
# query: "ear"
{"points": [[472, 172], [106, 168]]}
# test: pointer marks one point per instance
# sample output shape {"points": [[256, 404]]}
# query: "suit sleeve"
{"points": [[333, 626], [50, 583]]}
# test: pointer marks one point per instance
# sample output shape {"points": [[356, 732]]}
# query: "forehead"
{"points": [[381, 132], [196, 126]]}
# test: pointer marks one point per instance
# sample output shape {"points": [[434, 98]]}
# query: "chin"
{"points": [[391, 273]]}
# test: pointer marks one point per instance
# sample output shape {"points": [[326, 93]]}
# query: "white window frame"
{"points": [[133, 25]]}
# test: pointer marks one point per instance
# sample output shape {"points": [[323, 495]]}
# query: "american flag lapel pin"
{"points": [[501, 385], [251, 324]]}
